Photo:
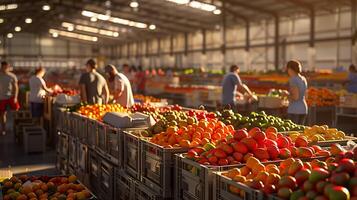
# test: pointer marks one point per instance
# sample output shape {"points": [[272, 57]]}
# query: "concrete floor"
{"points": [[13, 157]]}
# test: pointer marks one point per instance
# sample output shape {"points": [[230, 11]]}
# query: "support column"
{"points": [[120, 51], [311, 62], [203, 54], [171, 45], [158, 52], [39, 50], [276, 43], [186, 44], [146, 48], [128, 50], [247, 59], [224, 35], [354, 31]]}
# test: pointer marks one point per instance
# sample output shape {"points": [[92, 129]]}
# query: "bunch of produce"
{"points": [[171, 117], [319, 133], [43, 188], [146, 99], [193, 135], [322, 97], [97, 111], [334, 178], [264, 146], [58, 90], [277, 93], [257, 119]]}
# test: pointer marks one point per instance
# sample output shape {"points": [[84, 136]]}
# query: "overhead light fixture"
{"points": [[1, 20], [180, 1], [28, 20], [152, 27], [116, 20], [46, 7], [54, 34], [70, 28], [198, 5], [93, 19], [134, 4], [217, 12], [90, 29], [202, 6], [10, 35], [73, 35], [116, 34], [17, 29], [8, 6]]}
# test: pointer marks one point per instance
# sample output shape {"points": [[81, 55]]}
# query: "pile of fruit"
{"points": [[43, 188], [145, 99], [171, 117], [264, 146], [319, 133], [97, 111], [334, 178], [193, 135], [257, 119], [322, 97]]}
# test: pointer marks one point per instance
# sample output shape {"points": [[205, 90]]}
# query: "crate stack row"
{"points": [[119, 164], [114, 163]]}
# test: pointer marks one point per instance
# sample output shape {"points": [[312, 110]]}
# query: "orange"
{"points": [[258, 168], [250, 176], [252, 161], [272, 179], [262, 176], [233, 172], [239, 178], [286, 163], [244, 171], [184, 143], [204, 141]]}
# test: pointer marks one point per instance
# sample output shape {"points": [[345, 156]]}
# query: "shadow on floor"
{"points": [[13, 157]]}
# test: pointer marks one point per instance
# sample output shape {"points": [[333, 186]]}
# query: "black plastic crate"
{"points": [[115, 145], [195, 181], [144, 193], [102, 137], [62, 165], [106, 180], [157, 167], [80, 127], [94, 171], [124, 185], [132, 155], [72, 151], [62, 144], [82, 157], [92, 132], [221, 189]]}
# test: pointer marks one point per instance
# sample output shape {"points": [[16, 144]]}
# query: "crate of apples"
{"points": [[243, 144], [43, 188]]}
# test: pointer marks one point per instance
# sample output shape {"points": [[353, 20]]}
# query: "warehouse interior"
{"points": [[178, 99]]}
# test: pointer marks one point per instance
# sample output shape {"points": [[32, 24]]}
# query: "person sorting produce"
{"points": [[93, 86], [297, 110], [38, 91], [231, 83], [352, 79], [9, 91], [122, 91]]}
